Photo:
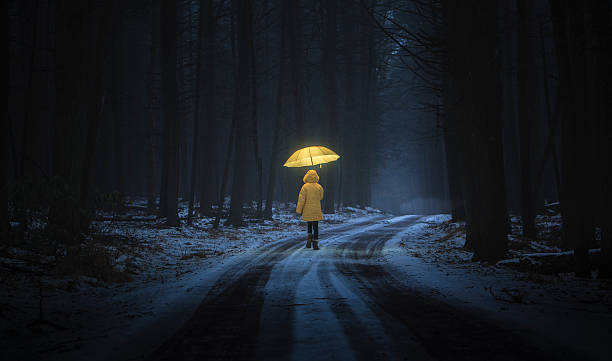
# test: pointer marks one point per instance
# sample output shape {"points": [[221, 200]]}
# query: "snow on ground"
{"points": [[574, 311], [159, 275], [150, 280], [304, 288], [317, 324]]}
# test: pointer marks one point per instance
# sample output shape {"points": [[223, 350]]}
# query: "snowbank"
{"points": [[429, 256], [160, 275]]}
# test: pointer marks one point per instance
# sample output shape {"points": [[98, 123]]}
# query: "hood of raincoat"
{"points": [[311, 176]]}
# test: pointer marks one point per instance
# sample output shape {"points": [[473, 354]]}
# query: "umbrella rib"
{"points": [[309, 152]]}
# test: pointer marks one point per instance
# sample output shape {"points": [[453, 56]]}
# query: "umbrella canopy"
{"points": [[310, 156]]}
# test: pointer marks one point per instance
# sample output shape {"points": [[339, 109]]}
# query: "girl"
{"points": [[309, 205]]}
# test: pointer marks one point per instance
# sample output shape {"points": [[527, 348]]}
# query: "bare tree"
{"points": [[576, 212], [599, 53], [208, 158], [151, 92], [294, 44], [169, 193], [117, 53], [473, 105], [242, 108], [329, 66], [347, 162], [525, 78], [277, 115], [4, 160], [95, 107], [196, 110]]}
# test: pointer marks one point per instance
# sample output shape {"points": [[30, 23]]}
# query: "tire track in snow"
{"points": [[444, 331], [367, 333], [320, 331], [289, 292], [338, 303], [276, 332], [226, 324]]}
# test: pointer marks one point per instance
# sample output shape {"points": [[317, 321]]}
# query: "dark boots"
{"points": [[314, 242]]}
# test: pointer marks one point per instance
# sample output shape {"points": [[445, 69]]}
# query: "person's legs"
{"points": [[309, 235], [315, 241]]}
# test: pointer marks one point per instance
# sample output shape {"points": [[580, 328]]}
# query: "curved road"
{"points": [[339, 303]]}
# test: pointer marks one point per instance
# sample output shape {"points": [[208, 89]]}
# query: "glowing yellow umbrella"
{"points": [[310, 156]]}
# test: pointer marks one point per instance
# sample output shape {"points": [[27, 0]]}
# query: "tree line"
{"points": [[519, 91], [506, 99], [193, 100], [199, 100]]}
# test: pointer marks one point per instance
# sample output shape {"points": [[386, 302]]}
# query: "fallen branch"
{"points": [[551, 262]]}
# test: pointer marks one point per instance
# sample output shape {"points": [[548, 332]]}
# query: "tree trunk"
{"points": [[150, 169], [208, 157], [369, 113], [453, 104], [347, 161], [67, 19], [242, 109], [170, 109], [551, 146], [196, 111], [295, 61], [70, 32], [5, 225], [365, 107], [117, 75], [277, 119], [186, 96], [508, 35], [28, 92], [284, 187], [453, 169], [95, 108], [599, 53], [525, 83], [295, 55], [473, 102], [329, 60], [228, 159], [576, 212], [254, 132]]}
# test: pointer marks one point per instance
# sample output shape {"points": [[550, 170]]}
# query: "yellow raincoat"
{"points": [[309, 200]]}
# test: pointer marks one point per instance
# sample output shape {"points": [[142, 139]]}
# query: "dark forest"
{"points": [[155, 203]]}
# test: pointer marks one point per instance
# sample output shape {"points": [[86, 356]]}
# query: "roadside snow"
{"points": [[569, 310], [163, 274]]}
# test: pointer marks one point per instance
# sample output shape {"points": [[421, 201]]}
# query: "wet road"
{"points": [[342, 302]]}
